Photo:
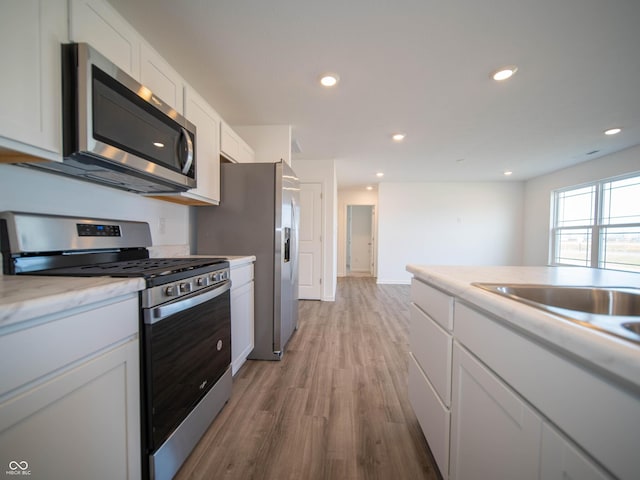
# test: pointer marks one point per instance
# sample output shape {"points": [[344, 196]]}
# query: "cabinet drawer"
{"points": [[437, 304], [241, 275], [431, 346], [47, 347], [433, 416], [600, 416]]}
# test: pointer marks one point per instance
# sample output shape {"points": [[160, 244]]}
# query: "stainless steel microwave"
{"points": [[117, 132]]}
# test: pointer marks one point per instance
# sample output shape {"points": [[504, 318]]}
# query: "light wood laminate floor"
{"points": [[336, 406]]}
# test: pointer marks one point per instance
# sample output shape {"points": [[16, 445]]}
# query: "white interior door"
{"points": [[310, 242], [360, 241]]}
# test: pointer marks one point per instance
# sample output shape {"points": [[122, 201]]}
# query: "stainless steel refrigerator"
{"points": [[259, 215]]}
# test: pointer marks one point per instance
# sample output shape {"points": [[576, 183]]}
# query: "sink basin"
{"points": [[614, 310], [633, 326], [596, 300]]}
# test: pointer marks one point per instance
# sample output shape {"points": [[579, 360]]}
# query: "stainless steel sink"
{"points": [[633, 326], [614, 310]]}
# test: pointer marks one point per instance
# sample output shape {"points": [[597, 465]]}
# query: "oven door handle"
{"points": [[155, 314]]}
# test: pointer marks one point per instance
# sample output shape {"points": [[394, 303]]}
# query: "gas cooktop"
{"points": [[145, 268]]}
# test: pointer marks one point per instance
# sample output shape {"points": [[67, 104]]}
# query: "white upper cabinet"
{"points": [[159, 77], [207, 123], [233, 147], [31, 32], [98, 24]]}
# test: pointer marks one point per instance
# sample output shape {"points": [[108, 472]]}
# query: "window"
{"points": [[598, 225]]}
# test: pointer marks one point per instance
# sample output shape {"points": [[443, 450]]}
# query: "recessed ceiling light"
{"points": [[329, 80], [504, 73], [379, 174], [398, 137], [613, 131], [508, 172], [369, 187]]}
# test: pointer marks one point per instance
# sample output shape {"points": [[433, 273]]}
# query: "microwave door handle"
{"points": [[189, 160]]}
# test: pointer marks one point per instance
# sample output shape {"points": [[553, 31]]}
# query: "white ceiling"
{"points": [[417, 66]]}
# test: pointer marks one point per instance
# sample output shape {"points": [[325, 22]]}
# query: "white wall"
{"points": [[27, 190], [538, 197], [324, 172], [448, 224], [271, 143], [352, 196]]}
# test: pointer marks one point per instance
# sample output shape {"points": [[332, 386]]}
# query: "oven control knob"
{"points": [[185, 287], [214, 277], [170, 291], [202, 281]]}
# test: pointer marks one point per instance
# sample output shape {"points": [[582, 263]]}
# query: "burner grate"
{"points": [[146, 268]]}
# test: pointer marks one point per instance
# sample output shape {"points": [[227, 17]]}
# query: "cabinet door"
{"points": [[241, 325], [233, 147], [98, 24], [562, 460], [246, 154], [157, 75], [229, 142], [494, 434], [31, 32], [83, 423], [207, 123]]}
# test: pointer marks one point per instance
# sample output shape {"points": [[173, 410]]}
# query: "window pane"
{"points": [[576, 207], [620, 248], [573, 247], [621, 202]]}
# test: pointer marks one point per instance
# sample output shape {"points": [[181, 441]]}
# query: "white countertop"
{"points": [[24, 297], [608, 353]]}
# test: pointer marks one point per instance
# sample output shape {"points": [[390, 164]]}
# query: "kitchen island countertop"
{"points": [[609, 354]]}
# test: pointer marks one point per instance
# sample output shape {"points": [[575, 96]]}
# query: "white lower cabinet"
{"points": [[494, 434], [242, 315], [433, 416], [73, 415], [562, 460], [517, 409]]}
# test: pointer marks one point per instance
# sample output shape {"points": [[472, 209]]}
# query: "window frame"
{"points": [[596, 227]]}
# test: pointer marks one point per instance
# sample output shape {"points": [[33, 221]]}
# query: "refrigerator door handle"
{"points": [[287, 244]]}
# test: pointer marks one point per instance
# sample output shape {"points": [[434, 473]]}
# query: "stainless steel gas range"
{"points": [[185, 321]]}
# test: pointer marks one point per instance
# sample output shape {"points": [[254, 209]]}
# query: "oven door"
{"points": [[186, 349]]}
